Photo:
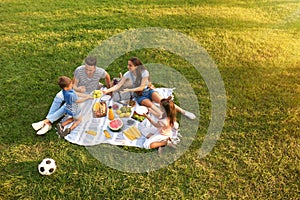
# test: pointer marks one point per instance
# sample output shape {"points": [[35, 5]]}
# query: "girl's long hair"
{"points": [[139, 70], [170, 109]]}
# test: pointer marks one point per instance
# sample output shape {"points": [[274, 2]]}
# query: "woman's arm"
{"points": [[116, 87], [140, 88]]}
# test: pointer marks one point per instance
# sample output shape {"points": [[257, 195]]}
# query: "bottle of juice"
{"points": [[111, 115]]}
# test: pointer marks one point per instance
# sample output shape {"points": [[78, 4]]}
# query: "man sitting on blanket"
{"points": [[86, 80]]}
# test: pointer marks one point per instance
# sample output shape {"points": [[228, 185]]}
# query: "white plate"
{"points": [[105, 97], [141, 110]]}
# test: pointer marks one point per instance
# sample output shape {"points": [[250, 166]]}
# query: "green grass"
{"points": [[256, 46]]}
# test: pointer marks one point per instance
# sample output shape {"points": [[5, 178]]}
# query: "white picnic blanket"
{"points": [[80, 137]]}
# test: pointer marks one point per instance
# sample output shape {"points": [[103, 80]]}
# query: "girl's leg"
{"points": [[161, 144], [155, 145]]}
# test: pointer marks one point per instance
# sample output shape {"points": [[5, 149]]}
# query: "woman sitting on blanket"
{"points": [[144, 91], [162, 132]]}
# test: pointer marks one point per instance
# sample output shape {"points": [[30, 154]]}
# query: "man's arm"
{"points": [[107, 80], [75, 86]]}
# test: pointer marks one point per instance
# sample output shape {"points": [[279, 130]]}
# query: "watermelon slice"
{"points": [[115, 125]]}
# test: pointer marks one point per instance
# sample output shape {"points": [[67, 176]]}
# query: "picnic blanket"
{"points": [[80, 135]]}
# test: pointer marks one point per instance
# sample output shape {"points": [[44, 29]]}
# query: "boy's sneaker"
{"points": [[59, 128], [65, 132], [38, 125], [44, 130]]}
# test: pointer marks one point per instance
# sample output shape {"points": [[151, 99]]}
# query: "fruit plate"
{"points": [[99, 109], [138, 117], [124, 111], [97, 94], [115, 125]]}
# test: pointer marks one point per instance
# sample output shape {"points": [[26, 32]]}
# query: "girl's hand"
{"points": [[145, 115]]}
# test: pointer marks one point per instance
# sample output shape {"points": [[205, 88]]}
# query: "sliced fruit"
{"points": [[115, 125]]}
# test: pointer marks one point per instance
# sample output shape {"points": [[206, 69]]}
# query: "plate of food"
{"points": [[141, 110], [99, 109], [97, 94], [124, 111], [138, 117]]}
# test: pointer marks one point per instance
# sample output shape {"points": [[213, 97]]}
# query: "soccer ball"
{"points": [[47, 166]]}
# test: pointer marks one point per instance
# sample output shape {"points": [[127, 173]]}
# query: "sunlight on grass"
{"points": [[256, 46], [272, 48], [228, 13]]}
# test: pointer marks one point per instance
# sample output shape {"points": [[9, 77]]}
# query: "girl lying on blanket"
{"points": [[142, 88], [163, 127]]}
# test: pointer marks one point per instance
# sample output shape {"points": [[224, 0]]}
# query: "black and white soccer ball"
{"points": [[47, 166]]}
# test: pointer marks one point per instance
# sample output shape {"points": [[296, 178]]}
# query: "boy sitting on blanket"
{"points": [[71, 108]]}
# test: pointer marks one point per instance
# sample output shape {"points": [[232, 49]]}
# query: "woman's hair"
{"points": [[170, 109], [64, 81], [139, 70]]}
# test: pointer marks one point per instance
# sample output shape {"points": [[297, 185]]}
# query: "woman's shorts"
{"points": [[146, 94]]}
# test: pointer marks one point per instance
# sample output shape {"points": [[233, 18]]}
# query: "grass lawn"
{"points": [[256, 46]]}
